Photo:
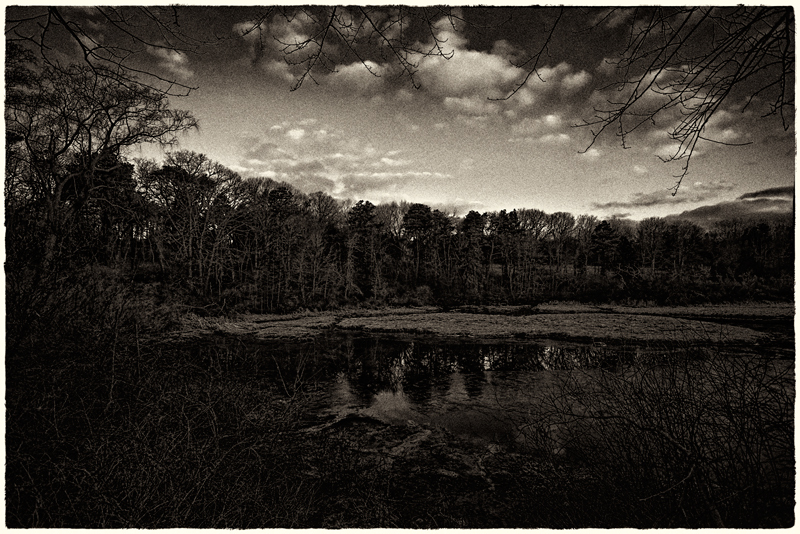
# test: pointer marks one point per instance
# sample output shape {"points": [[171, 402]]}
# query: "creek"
{"points": [[476, 390]]}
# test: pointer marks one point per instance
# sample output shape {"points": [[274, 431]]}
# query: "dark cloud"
{"points": [[689, 193], [311, 182], [785, 192], [746, 210], [263, 150]]}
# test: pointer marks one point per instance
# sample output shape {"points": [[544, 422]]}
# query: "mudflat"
{"points": [[749, 323]]}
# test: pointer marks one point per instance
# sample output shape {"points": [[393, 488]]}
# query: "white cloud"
{"points": [[538, 125], [552, 120], [391, 162], [296, 133], [592, 153], [573, 82], [344, 166], [362, 78], [277, 68], [554, 138], [468, 73], [472, 105], [668, 151], [174, 61]]}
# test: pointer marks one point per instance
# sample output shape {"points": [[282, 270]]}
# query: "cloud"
{"points": [[559, 79], [174, 61], [473, 121], [555, 138], [592, 153], [537, 125], [508, 51], [468, 73], [639, 169], [740, 210], [296, 133], [573, 82], [472, 105], [318, 157], [380, 185], [607, 66], [269, 43], [389, 162], [471, 76], [688, 193], [405, 121], [361, 78], [784, 192]]}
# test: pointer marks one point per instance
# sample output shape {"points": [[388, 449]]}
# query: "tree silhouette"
{"points": [[56, 33], [69, 127], [694, 60]]}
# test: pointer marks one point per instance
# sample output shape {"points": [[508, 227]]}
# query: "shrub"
{"points": [[684, 440]]}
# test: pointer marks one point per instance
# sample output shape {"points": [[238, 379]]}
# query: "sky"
{"points": [[451, 143]]}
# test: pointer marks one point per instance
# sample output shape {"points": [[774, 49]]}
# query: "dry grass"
{"points": [[547, 321], [589, 326], [688, 442]]}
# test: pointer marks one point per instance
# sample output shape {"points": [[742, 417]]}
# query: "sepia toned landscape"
{"points": [[399, 267]]}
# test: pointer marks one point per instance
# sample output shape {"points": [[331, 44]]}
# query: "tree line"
{"points": [[218, 241], [258, 245]]}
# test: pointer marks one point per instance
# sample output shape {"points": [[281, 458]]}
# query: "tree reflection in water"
{"points": [[471, 388], [374, 364]]}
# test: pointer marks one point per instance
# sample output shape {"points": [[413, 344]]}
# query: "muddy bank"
{"points": [[420, 476], [741, 324]]}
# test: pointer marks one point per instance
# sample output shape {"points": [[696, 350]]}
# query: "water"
{"points": [[481, 391]]}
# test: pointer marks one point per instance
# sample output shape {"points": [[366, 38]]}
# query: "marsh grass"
{"points": [[693, 438], [108, 428], [177, 444]]}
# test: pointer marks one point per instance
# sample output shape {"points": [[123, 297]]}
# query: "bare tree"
{"points": [[382, 39], [694, 60], [106, 39], [68, 128]]}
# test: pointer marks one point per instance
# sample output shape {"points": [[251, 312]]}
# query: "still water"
{"points": [[481, 391]]}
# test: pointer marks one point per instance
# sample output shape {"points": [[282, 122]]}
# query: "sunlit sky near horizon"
{"points": [[448, 144]]}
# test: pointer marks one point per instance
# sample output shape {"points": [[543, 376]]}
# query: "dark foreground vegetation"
{"points": [[106, 426]]}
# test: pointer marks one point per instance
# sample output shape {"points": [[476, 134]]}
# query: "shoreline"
{"points": [[561, 321]]}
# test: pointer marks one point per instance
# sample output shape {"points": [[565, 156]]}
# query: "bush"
{"points": [[164, 439], [685, 440]]}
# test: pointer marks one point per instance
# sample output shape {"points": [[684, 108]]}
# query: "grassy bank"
{"points": [[120, 430], [549, 321]]}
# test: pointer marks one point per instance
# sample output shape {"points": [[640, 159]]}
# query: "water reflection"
{"points": [[474, 389], [421, 370]]}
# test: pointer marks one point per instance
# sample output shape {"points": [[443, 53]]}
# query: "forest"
{"points": [[189, 234], [115, 419], [222, 243]]}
